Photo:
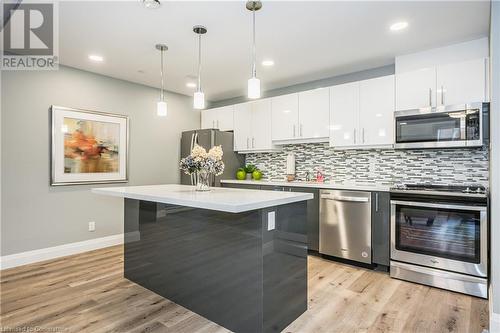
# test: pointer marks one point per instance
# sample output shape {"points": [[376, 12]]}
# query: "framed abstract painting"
{"points": [[88, 147]]}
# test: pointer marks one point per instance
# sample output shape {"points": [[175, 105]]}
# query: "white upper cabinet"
{"points": [[285, 117], [376, 111], [448, 75], [209, 118], [416, 89], [314, 114], [362, 113], [344, 114], [462, 82], [301, 117], [220, 118], [252, 126], [448, 84], [242, 126], [261, 125]]}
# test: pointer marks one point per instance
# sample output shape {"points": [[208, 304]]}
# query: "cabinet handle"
{"points": [[294, 130], [442, 95], [376, 202], [213, 123], [430, 96], [217, 123], [253, 142], [248, 142], [354, 136], [300, 128], [363, 134]]}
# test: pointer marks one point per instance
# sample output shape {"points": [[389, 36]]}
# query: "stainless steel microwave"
{"points": [[463, 125]]}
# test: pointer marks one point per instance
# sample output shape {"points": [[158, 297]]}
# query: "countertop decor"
{"points": [[204, 165]]}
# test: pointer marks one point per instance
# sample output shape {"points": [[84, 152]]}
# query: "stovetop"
{"points": [[471, 190]]}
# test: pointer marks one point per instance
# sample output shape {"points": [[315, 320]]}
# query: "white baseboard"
{"points": [[494, 322], [29, 257]]}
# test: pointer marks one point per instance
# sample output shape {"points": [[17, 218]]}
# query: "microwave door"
{"points": [[431, 130], [452, 126]]}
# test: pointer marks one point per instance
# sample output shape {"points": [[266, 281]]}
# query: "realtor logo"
{"points": [[29, 36]]}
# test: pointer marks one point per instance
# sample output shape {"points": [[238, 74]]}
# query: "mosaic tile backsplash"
{"points": [[436, 166]]}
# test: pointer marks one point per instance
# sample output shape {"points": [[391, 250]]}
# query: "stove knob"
{"points": [[479, 190]]}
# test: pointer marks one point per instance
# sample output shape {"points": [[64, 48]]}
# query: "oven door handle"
{"points": [[437, 205]]}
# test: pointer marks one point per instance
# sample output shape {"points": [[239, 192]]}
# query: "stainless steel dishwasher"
{"points": [[345, 225]]}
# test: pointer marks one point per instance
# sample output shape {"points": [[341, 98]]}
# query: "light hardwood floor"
{"points": [[87, 293]]}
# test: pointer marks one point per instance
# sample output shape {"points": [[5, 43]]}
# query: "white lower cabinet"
{"points": [[362, 114], [219, 118], [252, 126]]}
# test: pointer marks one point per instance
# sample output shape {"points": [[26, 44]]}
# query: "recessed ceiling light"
{"points": [[95, 57], [191, 85], [399, 26], [268, 63], [151, 4]]}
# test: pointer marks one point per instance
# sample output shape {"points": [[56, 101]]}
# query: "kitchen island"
{"points": [[237, 257]]}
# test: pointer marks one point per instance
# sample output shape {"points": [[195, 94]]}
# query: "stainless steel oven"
{"points": [[441, 240], [463, 125]]}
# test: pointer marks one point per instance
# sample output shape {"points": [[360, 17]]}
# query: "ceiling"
{"points": [[307, 40]]}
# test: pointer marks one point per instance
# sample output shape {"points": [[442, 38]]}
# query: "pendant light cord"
{"points": [[161, 74], [254, 69], [199, 63]]}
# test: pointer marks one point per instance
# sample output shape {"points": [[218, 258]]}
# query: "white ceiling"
{"points": [[308, 40]]}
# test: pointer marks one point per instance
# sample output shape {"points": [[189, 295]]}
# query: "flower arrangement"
{"points": [[200, 160], [203, 164]]}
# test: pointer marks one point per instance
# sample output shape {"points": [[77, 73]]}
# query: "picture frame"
{"points": [[88, 147]]}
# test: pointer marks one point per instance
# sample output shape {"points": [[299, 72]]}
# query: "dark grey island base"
{"points": [[224, 266]]}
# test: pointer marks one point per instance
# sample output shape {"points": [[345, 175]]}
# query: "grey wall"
{"points": [[331, 81], [35, 215], [495, 157]]}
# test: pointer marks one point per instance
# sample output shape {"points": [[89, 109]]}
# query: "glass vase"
{"points": [[202, 181]]}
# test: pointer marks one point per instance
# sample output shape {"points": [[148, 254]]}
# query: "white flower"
{"points": [[198, 152], [216, 153]]}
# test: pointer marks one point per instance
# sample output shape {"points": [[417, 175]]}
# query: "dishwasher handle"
{"points": [[344, 198]]}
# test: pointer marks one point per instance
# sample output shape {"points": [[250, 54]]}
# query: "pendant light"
{"points": [[253, 82], [161, 106], [199, 96]]}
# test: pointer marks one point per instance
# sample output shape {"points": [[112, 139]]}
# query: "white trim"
{"points": [[494, 322], [29, 257]]}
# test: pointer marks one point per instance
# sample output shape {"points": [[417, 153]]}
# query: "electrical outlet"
{"points": [[271, 221], [91, 226]]}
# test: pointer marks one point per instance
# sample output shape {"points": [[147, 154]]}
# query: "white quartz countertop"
{"points": [[222, 199], [356, 186]]}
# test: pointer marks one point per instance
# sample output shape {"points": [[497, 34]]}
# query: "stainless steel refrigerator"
{"points": [[207, 138]]}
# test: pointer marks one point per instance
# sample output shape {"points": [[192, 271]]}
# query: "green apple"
{"points": [[257, 175], [241, 174]]}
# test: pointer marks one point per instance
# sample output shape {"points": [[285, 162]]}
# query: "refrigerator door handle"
{"points": [[192, 142]]}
